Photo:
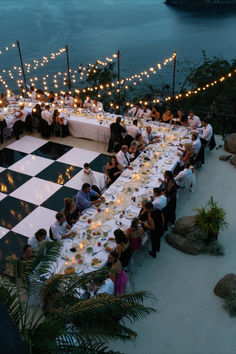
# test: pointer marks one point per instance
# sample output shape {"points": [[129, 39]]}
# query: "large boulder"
{"points": [[233, 161], [185, 245], [230, 143], [225, 157], [185, 223], [226, 286]]}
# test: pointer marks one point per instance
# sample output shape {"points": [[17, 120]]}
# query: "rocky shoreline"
{"points": [[201, 3]]}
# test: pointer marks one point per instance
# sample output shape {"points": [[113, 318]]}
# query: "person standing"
{"points": [[116, 138]]}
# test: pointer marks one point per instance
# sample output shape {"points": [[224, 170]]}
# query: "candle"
{"points": [[81, 246], [93, 226], [107, 210], [118, 201], [99, 223], [146, 164], [66, 263]]}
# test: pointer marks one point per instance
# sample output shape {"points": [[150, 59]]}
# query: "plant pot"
{"points": [[212, 236]]}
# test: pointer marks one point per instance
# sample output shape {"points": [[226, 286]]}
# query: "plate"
{"points": [[169, 162], [105, 228], [69, 270], [96, 233], [84, 218], [130, 216], [96, 262], [90, 249]]}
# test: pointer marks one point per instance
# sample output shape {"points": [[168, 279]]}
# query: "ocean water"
{"points": [[145, 31]]}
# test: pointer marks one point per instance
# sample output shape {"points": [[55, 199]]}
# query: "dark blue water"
{"points": [[145, 31]]}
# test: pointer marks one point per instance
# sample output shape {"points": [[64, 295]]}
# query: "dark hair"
{"points": [[112, 157], [156, 107], [55, 114], [157, 191], [85, 186], [115, 255], [138, 136], [118, 119], [26, 247], [86, 165], [206, 120], [149, 206], [187, 164], [169, 175], [120, 236], [195, 136], [59, 215], [67, 206], [134, 223], [135, 121], [39, 233], [47, 106]]}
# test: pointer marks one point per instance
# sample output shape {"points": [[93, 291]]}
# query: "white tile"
{"points": [[40, 218], [78, 157], [27, 144], [31, 165], [2, 196], [2, 169], [76, 181], [3, 231], [35, 190]]}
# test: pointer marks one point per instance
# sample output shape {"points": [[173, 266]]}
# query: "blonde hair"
{"points": [[67, 205], [188, 146]]}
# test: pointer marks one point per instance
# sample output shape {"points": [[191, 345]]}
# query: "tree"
{"points": [[65, 322]]}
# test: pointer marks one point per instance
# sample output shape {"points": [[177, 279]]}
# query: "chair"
{"points": [[51, 235], [3, 125], [29, 123], [57, 129]]}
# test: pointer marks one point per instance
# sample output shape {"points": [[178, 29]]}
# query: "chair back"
{"points": [[51, 234]]}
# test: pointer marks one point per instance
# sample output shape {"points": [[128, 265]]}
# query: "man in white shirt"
{"points": [[88, 104], [106, 286], [184, 176], [69, 100], [196, 144], [145, 114], [193, 121], [22, 114], [133, 130], [159, 200], [38, 238], [60, 228], [207, 132], [136, 111], [97, 107], [123, 157], [47, 115], [148, 137]]}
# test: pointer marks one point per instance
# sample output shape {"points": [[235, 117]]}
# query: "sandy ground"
{"points": [[190, 318]]}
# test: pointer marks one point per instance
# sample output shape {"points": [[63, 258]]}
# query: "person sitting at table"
{"points": [[187, 155], [88, 103], [97, 107], [167, 117], [32, 93], [136, 111], [3, 100], [40, 95], [20, 121], [133, 130], [148, 137], [112, 170], [135, 233], [206, 132], [102, 286], [159, 199], [169, 189], [78, 102], [183, 176], [145, 114], [116, 138], [139, 141], [124, 157], [51, 97], [88, 177], [84, 197], [182, 119], [154, 224], [58, 99], [71, 211], [196, 144], [59, 229], [28, 253], [193, 121], [155, 114], [11, 98], [38, 238], [117, 274], [46, 122], [122, 247], [69, 100], [143, 213], [62, 122]]}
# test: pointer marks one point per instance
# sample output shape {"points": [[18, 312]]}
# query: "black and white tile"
{"points": [[35, 177]]}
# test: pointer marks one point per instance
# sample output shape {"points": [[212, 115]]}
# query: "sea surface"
{"points": [[145, 31]]}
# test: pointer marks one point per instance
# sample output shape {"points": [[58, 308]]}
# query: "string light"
{"points": [[6, 48]]}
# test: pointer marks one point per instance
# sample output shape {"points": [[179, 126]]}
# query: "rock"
{"points": [[185, 223], [183, 244], [225, 157], [230, 143], [233, 161], [226, 286]]}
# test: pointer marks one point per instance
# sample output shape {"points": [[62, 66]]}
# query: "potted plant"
{"points": [[211, 220]]}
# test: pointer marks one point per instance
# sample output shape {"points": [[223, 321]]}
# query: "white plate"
{"points": [[105, 228], [130, 215], [84, 218]]}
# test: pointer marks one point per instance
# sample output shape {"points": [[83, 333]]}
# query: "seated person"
{"points": [[112, 170], [187, 154], [124, 157], [136, 111], [159, 200], [196, 144], [32, 93], [22, 114], [155, 114], [47, 115], [11, 98], [134, 233], [167, 117], [122, 247], [71, 211], [117, 274], [28, 253], [139, 141], [3, 100], [84, 197], [39, 236], [206, 132], [145, 114], [78, 102], [62, 122], [40, 95], [88, 103], [97, 107], [193, 121], [69, 100], [183, 176], [182, 118], [104, 286], [133, 129], [148, 137], [51, 97], [60, 227]]}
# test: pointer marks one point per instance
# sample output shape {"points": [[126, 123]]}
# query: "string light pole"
{"points": [[118, 64], [173, 86], [68, 68], [22, 66]]}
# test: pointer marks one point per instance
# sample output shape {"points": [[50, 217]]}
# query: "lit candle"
{"points": [[81, 246], [146, 164], [99, 223], [118, 201], [107, 210], [66, 263], [93, 226]]}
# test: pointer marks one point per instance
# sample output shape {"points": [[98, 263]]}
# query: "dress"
{"points": [[111, 172], [135, 237], [120, 282], [157, 232], [171, 205]]}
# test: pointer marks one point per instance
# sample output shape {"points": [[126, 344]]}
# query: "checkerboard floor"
{"points": [[35, 177]]}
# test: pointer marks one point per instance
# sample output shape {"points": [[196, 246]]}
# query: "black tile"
{"points": [[56, 201], [11, 245], [99, 163], [59, 172], [8, 157], [52, 150], [13, 210], [11, 180]]}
